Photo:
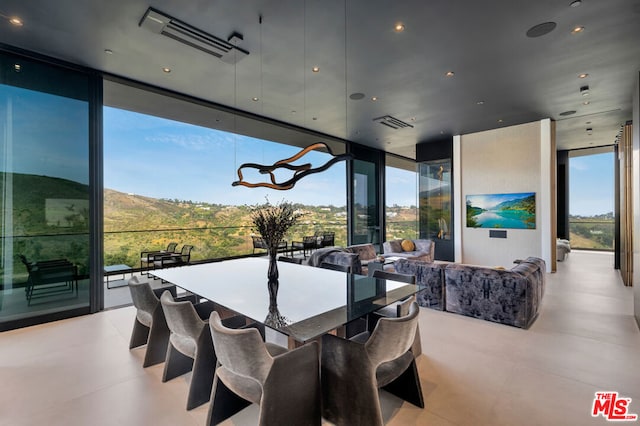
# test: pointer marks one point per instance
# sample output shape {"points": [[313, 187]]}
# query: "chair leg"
{"points": [[139, 335], [176, 364], [224, 403], [407, 386], [158, 339], [204, 368]]}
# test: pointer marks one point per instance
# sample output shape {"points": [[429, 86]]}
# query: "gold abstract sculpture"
{"points": [[299, 171]]}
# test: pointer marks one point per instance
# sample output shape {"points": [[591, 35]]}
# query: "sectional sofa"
{"points": [[507, 296]]}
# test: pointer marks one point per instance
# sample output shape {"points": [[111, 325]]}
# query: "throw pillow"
{"points": [[407, 245]]}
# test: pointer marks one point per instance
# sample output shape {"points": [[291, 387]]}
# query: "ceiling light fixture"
{"points": [[17, 67], [108, 51], [583, 75], [589, 131], [586, 103], [500, 120], [399, 27], [315, 69], [356, 96], [15, 21], [576, 3], [584, 90], [161, 23], [255, 99], [577, 30], [480, 103], [166, 70], [374, 98], [449, 74]]}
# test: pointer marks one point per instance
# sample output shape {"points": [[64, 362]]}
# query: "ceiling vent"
{"points": [[166, 25], [392, 122]]}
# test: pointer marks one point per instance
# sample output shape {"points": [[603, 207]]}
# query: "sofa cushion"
{"points": [[366, 252], [407, 245], [393, 246]]}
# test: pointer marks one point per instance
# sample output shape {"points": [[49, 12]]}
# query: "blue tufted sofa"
{"points": [[509, 297]]}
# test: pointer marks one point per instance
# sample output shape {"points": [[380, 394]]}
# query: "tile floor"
{"points": [[80, 371]]}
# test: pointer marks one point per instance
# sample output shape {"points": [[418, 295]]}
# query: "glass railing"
{"points": [[124, 247], [590, 234]]}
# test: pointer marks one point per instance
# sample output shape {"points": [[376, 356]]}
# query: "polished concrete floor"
{"points": [[473, 372]]}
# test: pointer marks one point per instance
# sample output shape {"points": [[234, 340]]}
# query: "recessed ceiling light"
{"points": [[314, 118], [166, 70], [315, 69], [587, 122], [293, 111], [413, 119], [480, 103], [584, 90], [15, 21], [577, 30], [399, 27], [583, 75], [586, 103], [449, 74], [374, 98], [576, 3], [356, 96], [108, 51], [255, 99], [17, 67], [500, 120], [566, 113]]}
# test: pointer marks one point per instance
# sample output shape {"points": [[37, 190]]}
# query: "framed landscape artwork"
{"points": [[507, 211]]}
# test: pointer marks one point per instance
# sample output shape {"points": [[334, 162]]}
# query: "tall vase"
{"points": [[272, 273]]}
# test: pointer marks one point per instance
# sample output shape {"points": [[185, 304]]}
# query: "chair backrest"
{"points": [[336, 267], [182, 318], [185, 253], [394, 276], [240, 351], [171, 247], [309, 240], [287, 259], [328, 239], [258, 242], [142, 295], [392, 337]]}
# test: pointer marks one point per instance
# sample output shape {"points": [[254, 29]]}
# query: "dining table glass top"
{"points": [[310, 301]]}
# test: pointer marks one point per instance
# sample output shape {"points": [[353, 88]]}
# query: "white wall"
{"points": [[636, 199], [506, 160]]}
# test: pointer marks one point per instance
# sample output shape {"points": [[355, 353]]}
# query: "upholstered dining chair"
{"points": [[190, 345], [286, 384], [397, 309], [150, 326], [353, 370]]}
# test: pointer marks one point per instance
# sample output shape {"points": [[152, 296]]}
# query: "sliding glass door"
{"points": [[44, 191]]}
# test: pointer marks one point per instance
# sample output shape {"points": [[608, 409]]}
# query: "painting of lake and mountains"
{"points": [[514, 211]]}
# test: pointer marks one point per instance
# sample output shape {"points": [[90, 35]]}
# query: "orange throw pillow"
{"points": [[407, 245]]}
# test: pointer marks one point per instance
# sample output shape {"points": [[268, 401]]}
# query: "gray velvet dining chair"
{"points": [[190, 346], [286, 384], [150, 326], [397, 309], [353, 370]]}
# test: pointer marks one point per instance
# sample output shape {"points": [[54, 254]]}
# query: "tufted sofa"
{"points": [[423, 250], [506, 296], [430, 276], [509, 297]]}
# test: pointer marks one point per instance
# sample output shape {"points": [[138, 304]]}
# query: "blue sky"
{"points": [[591, 184], [160, 158]]}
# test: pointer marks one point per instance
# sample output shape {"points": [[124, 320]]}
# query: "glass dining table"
{"points": [[310, 301]]}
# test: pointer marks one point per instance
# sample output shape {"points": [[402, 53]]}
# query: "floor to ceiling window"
{"points": [[401, 198], [44, 189], [170, 181], [591, 200]]}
